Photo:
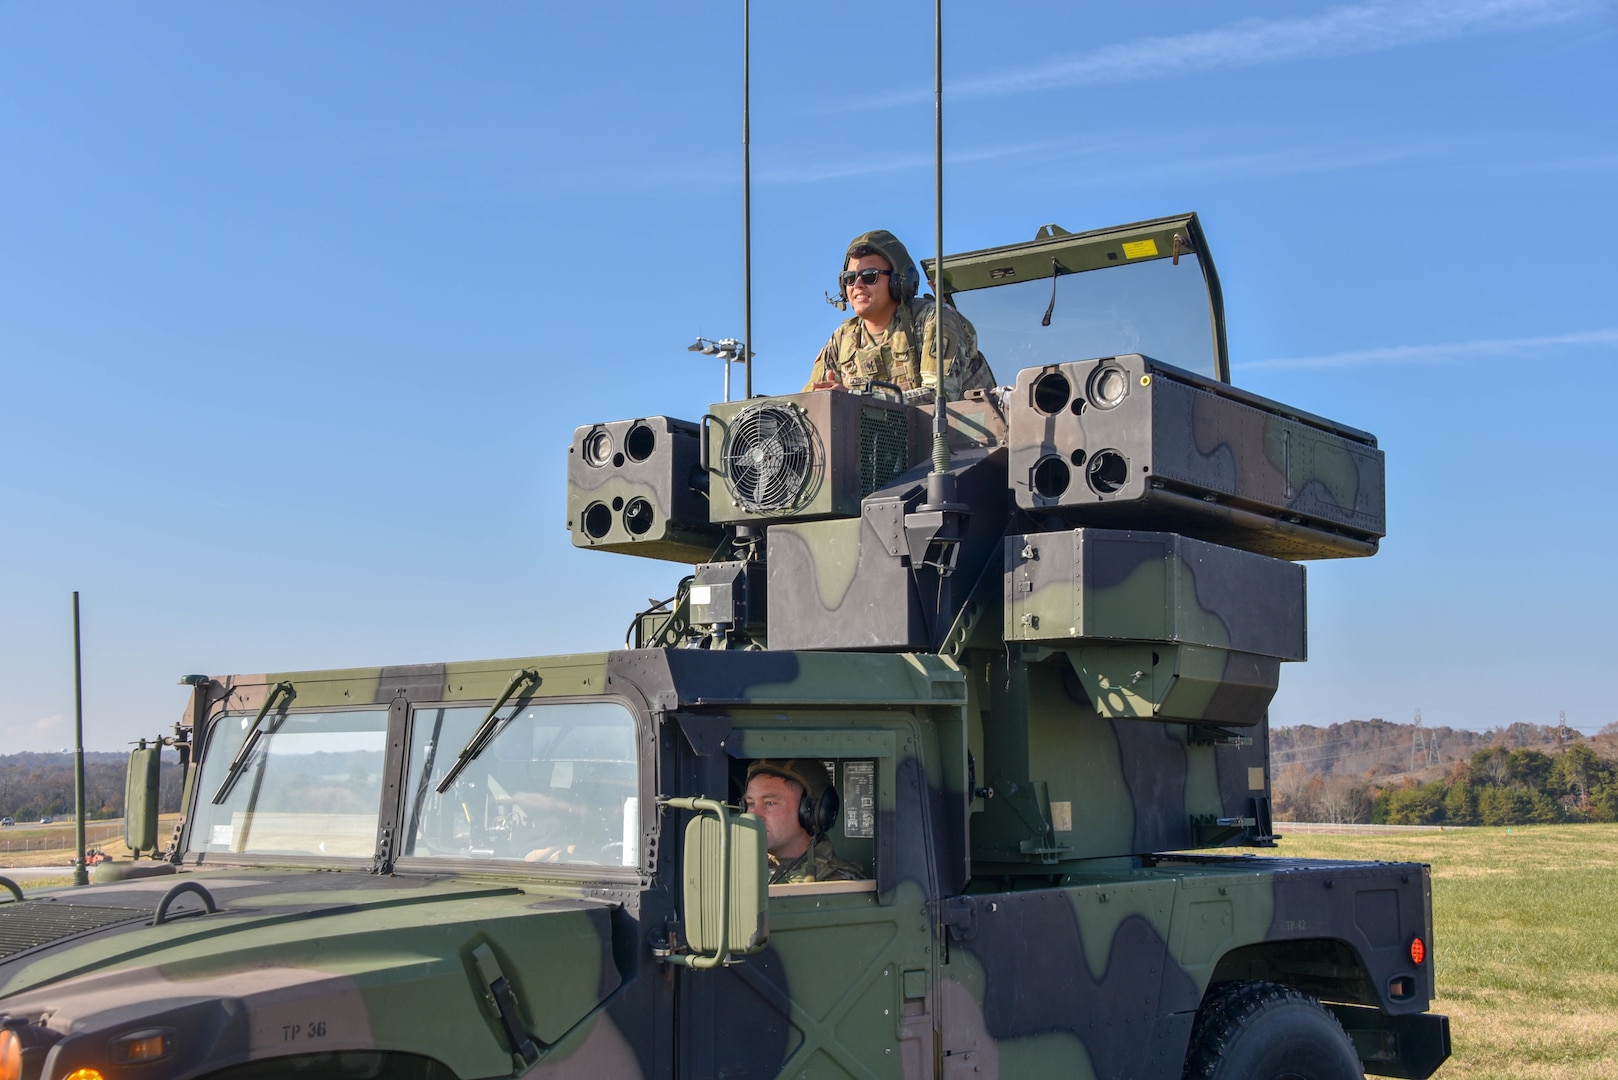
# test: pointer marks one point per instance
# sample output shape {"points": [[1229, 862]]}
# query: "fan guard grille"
{"points": [[769, 456]]}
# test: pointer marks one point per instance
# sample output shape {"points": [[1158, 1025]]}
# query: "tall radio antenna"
{"points": [[940, 482], [747, 208]]}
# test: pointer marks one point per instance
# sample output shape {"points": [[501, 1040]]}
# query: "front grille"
{"points": [[30, 924], [884, 447]]}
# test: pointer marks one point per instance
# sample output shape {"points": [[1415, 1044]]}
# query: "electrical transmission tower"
{"points": [[1423, 746]]}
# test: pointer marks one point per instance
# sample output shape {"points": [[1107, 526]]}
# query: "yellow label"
{"points": [[1255, 779], [1139, 249]]}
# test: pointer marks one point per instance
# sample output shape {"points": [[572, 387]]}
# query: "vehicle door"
{"points": [[842, 989]]}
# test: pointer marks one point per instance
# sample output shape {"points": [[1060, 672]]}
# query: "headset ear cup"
{"points": [[826, 812]]}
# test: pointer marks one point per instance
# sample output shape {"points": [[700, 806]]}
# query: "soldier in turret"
{"points": [[890, 337], [797, 801]]}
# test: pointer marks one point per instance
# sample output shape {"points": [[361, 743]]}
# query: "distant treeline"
{"points": [[1383, 751], [1509, 787], [33, 786], [1498, 785]]}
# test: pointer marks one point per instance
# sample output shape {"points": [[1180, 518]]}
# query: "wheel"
{"points": [[1266, 1031]]}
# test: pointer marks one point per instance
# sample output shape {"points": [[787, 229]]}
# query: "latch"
{"points": [[959, 915], [502, 1002]]}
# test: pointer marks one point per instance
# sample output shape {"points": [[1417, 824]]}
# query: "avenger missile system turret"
{"points": [[1027, 654]]}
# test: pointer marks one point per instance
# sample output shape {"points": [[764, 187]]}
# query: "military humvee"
{"points": [[1035, 646]]}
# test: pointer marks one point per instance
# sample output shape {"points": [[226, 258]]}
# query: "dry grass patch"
{"points": [[1525, 942], [53, 845]]}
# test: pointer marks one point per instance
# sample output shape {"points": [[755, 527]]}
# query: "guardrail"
{"points": [[1284, 827]]}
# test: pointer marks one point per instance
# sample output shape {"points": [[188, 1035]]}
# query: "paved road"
{"points": [[23, 875]]}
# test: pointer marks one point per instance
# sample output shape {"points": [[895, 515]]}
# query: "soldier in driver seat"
{"points": [[798, 803]]}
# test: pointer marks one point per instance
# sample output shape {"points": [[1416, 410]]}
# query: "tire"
{"points": [[1266, 1031]]}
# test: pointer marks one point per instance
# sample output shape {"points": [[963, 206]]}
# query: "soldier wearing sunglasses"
{"points": [[890, 337]]}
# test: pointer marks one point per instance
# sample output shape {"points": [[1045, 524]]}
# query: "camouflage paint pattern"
{"points": [[1159, 626], [926, 963], [855, 583], [1129, 442]]}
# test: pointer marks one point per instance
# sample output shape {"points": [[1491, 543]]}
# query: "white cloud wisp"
{"points": [[1340, 31], [1440, 354]]}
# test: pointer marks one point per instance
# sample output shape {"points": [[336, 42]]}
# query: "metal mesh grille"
{"points": [[884, 447], [30, 924]]}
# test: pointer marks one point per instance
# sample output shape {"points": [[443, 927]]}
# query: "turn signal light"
{"points": [[139, 1046], [85, 1073], [1418, 951]]}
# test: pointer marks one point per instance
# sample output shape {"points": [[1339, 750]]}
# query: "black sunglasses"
{"points": [[867, 276]]}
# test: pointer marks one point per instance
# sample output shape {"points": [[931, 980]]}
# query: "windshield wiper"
{"points": [[1056, 272], [485, 732], [281, 689]]}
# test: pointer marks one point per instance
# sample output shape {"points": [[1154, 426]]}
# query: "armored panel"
{"points": [[1157, 625], [855, 583], [1129, 442], [634, 486], [806, 456]]}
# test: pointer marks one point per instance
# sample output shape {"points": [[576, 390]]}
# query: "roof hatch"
{"points": [[1148, 287]]}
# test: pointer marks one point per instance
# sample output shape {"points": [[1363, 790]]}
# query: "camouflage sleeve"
{"points": [[825, 366], [839, 869], [829, 866], [964, 366]]}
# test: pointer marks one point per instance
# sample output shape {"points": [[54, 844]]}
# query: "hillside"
{"points": [[1370, 770], [38, 785]]}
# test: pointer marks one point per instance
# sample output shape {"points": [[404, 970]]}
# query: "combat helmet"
{"points": [[905, 281], [817, 810]]}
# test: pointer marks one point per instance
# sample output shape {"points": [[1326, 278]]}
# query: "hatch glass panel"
{"points": [[1148, 287], [1155, 308], [557, 783]]}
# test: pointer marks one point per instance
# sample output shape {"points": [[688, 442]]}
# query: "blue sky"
{"points": [[300, 304]]}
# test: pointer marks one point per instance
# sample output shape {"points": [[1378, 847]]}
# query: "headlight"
{"points": [[23, 1047], [10, 1056]]}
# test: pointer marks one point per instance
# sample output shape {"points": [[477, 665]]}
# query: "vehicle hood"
{"points": [[298, 961]]}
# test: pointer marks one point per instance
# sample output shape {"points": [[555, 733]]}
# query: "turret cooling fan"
{"points": [[769, 456]]}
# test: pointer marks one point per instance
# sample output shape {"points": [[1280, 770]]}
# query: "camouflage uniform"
{"points": [[903, 353], [819, 863]]}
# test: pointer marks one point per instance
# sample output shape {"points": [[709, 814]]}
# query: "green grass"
{"points": [[1525, 942]]}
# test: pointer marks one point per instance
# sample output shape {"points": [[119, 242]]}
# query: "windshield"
{"points": [[1152, 307], [312, 786], [557, 783]]}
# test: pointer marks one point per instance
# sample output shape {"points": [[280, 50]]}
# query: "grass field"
{"points": [[1525, 942], [47, 845]]}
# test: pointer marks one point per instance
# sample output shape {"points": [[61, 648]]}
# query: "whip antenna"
{"points": [[940, 483], [747, 208]]}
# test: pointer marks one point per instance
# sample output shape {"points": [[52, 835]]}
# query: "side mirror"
{"points": [[140, 799], [726, 879]]}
